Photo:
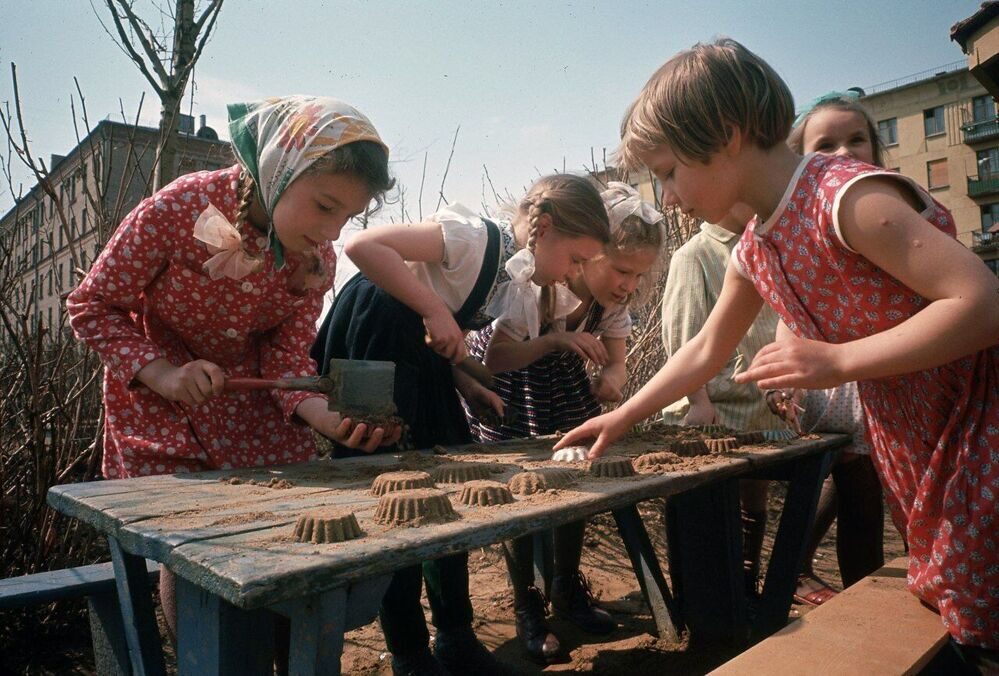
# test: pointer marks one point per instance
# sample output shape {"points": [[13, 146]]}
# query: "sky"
{"points": [[531, 86]]}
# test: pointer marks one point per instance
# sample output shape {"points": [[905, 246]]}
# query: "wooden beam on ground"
{"points": [[875, 627]]}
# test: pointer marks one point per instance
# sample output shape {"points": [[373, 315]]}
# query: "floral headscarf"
{"points": [[277, 139]]}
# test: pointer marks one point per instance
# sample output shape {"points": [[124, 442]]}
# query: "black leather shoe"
{"points": [[573, 601], [461, 653], [422, 663], [541, 645]]}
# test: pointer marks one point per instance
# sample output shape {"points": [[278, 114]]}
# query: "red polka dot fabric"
{"points": [[148, 297], [934, 433]]}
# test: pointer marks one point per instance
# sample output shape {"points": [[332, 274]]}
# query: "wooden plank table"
{"points": [[228, 536]]}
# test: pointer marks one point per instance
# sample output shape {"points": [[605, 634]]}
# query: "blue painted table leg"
{"points": [[790, 544], [703, 535], [135, 598], [319, 622], [317, 627], [216, 637], [108, 635], [647, 570]]}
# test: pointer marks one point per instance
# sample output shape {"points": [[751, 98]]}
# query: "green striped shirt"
{"points": [[693, 284]]}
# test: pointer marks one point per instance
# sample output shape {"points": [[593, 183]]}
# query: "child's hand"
{"points": [[786, 405], [444, 337], [316, 413], [605, 428], [700, 413], [586, 345], [795, 362], [605, 391], [193, 383]]}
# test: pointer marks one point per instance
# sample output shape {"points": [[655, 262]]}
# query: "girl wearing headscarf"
{"points": [[222, 274]]}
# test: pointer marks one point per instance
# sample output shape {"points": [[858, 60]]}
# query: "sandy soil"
{"points": [[632, 648]]}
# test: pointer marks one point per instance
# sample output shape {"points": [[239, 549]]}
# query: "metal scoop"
{"points": [[354, 387]]}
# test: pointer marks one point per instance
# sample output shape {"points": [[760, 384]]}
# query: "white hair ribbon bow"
{"points": [[622, 201], [223, 239]]}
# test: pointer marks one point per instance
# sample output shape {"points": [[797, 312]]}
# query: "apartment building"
{"points": [[50, 242], [939, 128]]}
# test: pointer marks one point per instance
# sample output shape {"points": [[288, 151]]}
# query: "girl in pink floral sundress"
{"points": [[862, 266]]}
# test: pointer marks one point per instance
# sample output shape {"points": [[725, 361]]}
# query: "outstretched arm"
{"points": [[878, 222], [688, 369], [381, 254], [506, 353]]}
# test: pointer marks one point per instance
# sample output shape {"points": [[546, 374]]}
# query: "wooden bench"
{"points": [[877, 626], [59, 585], [95, 582]]}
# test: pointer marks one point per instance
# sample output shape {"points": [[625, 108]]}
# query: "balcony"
{"points": [[976, 132], [986, 184], [984, 241]]}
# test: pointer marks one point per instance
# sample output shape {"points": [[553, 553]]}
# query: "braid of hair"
{"points": [[245, 199], [534, 212], [546, 308]]}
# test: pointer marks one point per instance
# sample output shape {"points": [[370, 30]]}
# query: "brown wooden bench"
{"points": [[875, 627]]}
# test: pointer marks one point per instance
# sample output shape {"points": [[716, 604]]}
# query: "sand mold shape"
{"points": [[481, 493], [543, 478], [413, 507], [650, 462], [460, 472], [612, 466], [323, 526], [723, 445], [779, 435], [400, 481], [570, 454], [689, 448], [750, 438]]}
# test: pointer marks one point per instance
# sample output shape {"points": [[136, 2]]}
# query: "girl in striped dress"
{"points": [[543, 379]]}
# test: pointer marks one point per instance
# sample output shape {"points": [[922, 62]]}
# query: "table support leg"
{"points": [[318, 624], [216, 637], [788, 553], [139, 619], [703, 535], [648, 572]]}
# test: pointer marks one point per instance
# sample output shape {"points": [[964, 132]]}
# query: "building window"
{"points": [[988, 163], [888, 131], [933, 121], [990, 216], [983, 108], [993, 266], [50, 281], [936, 174], [61, 277]]}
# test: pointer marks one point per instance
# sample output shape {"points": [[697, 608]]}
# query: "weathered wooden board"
{"points": [[876, 627], [233, 540]]}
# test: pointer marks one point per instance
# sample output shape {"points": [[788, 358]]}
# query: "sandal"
{"points": [[816, 597]]}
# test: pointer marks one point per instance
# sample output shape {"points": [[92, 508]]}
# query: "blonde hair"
{"points": [[694, 100], [638, 231], [576, 210], [796, 141]]}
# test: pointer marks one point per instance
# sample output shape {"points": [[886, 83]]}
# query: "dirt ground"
{"points": [[632, 648]]}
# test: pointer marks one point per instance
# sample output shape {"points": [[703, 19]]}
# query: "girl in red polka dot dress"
{"points": [[222, 273], [862, 266]]}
